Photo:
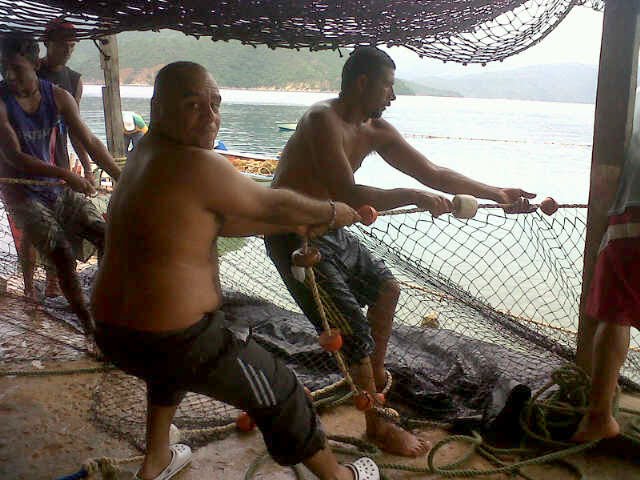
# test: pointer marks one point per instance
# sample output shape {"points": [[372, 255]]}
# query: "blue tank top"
{"points": [[37, 133]]}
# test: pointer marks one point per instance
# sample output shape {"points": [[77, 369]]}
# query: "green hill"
{"points": [[233, 65]]}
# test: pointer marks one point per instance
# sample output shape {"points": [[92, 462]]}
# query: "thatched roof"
{"points": [[457, 30]]}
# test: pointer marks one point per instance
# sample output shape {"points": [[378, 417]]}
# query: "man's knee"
{"points": [[390, 291], [291, 430], [95, 233], [62, 257]]}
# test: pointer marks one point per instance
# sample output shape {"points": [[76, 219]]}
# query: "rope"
{"points": [[406, 211], [62, 371], [107, 467], [500, 140], [47, 183]]}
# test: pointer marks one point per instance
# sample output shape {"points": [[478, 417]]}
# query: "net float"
{"points": [[306, 257], [368, 214], [245, 423], [364, 401], [331, 340], [464, 206], [379, 398], [549, 206], [298, 273]]}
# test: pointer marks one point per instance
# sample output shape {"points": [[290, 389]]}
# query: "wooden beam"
{"points": [[615, 100], [111, 96]]}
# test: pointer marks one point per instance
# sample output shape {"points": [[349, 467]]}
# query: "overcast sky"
{"points": [[575, 40]]}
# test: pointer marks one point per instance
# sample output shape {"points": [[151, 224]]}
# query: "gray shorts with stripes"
{"points": [[208, 358]]}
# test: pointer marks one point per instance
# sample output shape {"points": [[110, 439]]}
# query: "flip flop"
{"points": [[180, 457], [364, 469]]}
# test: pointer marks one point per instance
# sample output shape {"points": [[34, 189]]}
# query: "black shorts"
{"points": [[207, 358], [348, 279]]}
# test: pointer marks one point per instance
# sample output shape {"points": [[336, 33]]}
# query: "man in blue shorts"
{"points": [[330, 143]]}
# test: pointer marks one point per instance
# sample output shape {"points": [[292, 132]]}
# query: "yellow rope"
{"points": [[47, 183], [406, 211]]}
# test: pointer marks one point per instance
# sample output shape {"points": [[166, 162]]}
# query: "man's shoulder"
{"points": [[322, 108], [320, 115]]}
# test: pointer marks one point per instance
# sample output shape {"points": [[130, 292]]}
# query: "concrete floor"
{"points": [[46, 432]]}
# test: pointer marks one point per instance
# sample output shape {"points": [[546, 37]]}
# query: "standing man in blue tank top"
{"points": [[55, 218]]}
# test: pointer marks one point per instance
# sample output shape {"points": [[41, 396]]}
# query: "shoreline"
{"points": [[258, 89], [135, 91]]}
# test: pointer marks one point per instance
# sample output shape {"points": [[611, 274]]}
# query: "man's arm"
{"points": [[13, 155], [324, 136], [68, 107], [245, 227], [248, 208], [83, 156], [398, 153]]}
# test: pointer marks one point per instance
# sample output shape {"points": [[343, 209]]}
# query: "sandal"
{"points": [[180, 457], [364, 469]]}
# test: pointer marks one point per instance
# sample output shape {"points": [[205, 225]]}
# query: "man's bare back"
{"points": [[164, 237]]}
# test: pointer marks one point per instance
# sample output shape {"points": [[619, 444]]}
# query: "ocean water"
{"points": [[541, 147]]}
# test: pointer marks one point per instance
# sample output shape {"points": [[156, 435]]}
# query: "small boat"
{"points": [[257, 167], [287, 127]]}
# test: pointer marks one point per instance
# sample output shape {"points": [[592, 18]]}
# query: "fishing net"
{"points": [[488, 307], [458, 30]]}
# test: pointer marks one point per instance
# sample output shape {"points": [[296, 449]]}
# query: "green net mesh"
{"points": [[458, 30], [501, 289]]}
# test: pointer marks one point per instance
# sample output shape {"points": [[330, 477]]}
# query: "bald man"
{"points": [[157, 294]]}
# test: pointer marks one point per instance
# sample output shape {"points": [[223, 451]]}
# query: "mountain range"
{"points": [[142, 54]]}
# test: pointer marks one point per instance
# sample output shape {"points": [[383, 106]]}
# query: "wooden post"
{"points": [[111, 97], [615, 100]]}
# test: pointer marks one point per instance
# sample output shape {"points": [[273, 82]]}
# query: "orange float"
{"points": [[380, 398], [549, 206], [364, 401], [245, 423], [306, 257], [368, 214], [331, 340]]}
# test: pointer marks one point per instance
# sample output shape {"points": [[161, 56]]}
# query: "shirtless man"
{"points": [[332, 139], [157, 294], [614, 296], [54, 218]]}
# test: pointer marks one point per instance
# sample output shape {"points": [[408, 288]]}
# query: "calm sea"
{"points": [[539, 146]]}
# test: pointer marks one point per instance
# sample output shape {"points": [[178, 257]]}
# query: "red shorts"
{"points": [[614, 295]]}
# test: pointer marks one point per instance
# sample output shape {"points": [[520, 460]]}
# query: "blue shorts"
{"points": [[348, 277]]}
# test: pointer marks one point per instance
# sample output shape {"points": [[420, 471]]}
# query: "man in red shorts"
{"points": [[614, 297]]}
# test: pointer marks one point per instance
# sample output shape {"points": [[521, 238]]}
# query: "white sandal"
{"points": [[180, 457], [364, 469]]}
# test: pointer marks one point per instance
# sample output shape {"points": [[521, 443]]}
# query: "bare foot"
{"points": [[596, 427], [393, 439]]}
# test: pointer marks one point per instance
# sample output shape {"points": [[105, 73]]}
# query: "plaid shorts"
{"points": [[348, 278], [62, 224]]}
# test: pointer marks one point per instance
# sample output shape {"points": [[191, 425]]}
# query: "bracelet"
{"points": [[332, 223]]}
